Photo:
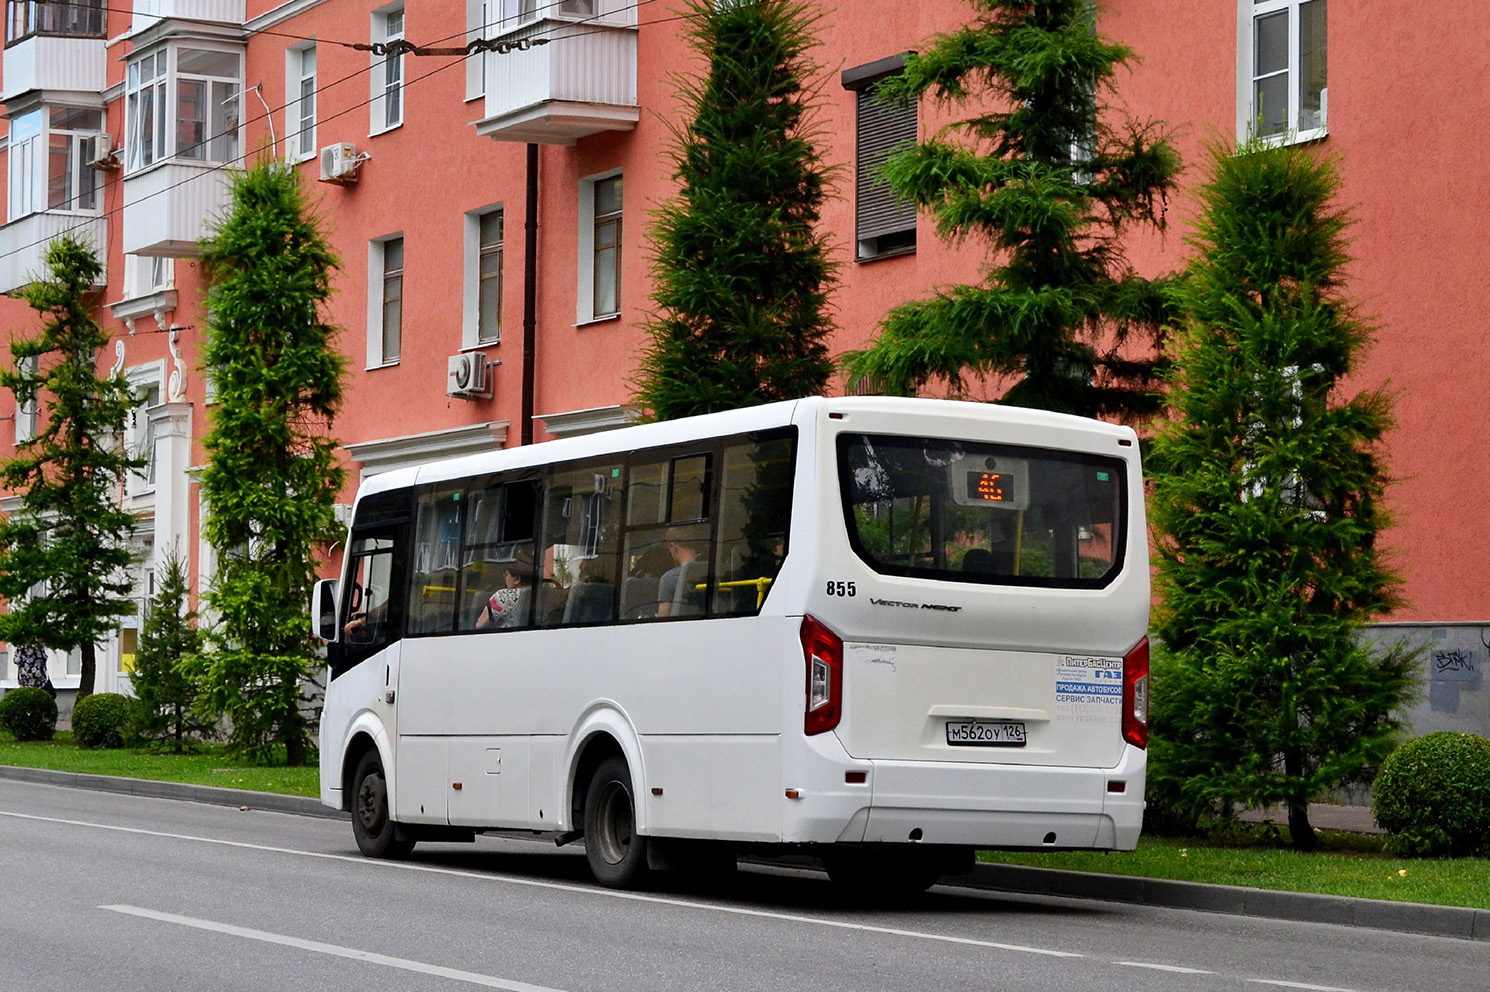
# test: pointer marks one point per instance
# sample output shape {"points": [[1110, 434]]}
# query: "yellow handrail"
{"points": [[759, 583]]}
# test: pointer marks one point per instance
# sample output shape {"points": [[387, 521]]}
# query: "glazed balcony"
{"points": [[149, 13], [24, 242], [54, 47], [581, 82]]}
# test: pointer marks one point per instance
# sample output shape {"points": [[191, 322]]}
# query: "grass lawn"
{"points": [[208, 766], [1348, 865]]}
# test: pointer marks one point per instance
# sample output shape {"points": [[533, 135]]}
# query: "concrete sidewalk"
{"points": [[1437, 921]]}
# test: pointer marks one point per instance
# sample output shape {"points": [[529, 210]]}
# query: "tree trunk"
{"points": [[293, 732], [89, 670], [1298, 807]]}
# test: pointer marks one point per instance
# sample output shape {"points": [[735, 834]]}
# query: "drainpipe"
{"points": [[530, 292]]}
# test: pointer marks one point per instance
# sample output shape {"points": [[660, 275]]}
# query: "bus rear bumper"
{"points": [[980, 805]]}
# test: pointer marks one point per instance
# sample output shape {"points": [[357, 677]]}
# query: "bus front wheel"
{"points": [[372, 821], [617, 854]]}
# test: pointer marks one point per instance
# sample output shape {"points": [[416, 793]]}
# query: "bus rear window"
{"points": [[967, 511]]}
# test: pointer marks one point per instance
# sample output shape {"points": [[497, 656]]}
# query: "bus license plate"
{"points": [[985, 733]]}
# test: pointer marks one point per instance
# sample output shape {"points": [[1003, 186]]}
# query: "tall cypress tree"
{"points": [[742, 273], [1051, 185], [65, 554], [1267, 505], [272, 476]]}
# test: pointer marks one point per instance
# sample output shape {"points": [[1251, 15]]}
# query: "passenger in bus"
{"points": [[686, 572], [508, 606]]}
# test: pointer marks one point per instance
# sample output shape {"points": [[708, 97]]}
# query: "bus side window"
{"points": [[366, 622], [755, 517], [432, 587], [578, 563], [496, 579]]}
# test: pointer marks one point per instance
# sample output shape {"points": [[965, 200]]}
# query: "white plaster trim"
{"points": [[280, 14], [573, 423], [155, 304], [386, 454]]}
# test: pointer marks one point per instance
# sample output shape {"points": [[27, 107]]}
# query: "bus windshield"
{"points": [[983, 513]]}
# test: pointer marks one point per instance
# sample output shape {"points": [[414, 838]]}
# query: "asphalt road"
{"points": [[121, 893]]}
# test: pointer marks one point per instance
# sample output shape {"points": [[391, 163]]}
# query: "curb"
{"points": [[1458, 922], [212, 795]]}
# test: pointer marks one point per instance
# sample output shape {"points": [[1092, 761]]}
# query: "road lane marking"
{"points": [[1164, 967], [470, 977], [563, 887], [1296, 985]]}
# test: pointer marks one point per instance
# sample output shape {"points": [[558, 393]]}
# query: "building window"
{"points": [[300, 105], [139, 436], [54, 18], [49, 164], [481, 22], [1283, 86], [884, 224], [388, 72], [26, 412], [385, 300], [489, 279], [600, 247], [204, 91]]}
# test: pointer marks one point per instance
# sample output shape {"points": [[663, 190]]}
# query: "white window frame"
{"points": [[28, 413], [482, 18], [377, 276], [1248, 13], [585, 291], [471, 329], [222, 127], [147, 383], [147, 275], [33, 141], [388, 78], [300, 102]]}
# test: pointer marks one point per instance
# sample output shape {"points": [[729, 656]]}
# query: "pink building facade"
{"points": [[120, 117]]}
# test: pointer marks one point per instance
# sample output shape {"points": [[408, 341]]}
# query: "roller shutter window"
{"points": [[885, 224]]}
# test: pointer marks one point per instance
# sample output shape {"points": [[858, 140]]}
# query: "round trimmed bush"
{"points": [[29, 714], [1432, 796], [101, 720]]}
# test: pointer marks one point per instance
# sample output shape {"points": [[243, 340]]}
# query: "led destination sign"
{"points": [[990, 487]]}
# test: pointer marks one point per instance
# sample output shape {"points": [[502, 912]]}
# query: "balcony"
{"points": [[149, 13], [24, 242], [581, 83], [53, 46], [167, 207]]}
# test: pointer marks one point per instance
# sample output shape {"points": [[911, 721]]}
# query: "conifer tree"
{"points": [[741, 271], [1043, 176], [1267, 508], [65, 553], [272, 476], [164, 693]]}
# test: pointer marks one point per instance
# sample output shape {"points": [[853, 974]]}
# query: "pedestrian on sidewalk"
{"points": [[31, 668]]}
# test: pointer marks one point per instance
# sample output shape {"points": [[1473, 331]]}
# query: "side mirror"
{"points": [[323, 610]]}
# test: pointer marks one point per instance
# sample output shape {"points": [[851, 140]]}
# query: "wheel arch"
{"points": [[604, 731], [365, 736]]}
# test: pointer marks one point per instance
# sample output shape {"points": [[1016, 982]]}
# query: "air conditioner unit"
{"points": [[468, 376], [339, 163], [105, 156]]}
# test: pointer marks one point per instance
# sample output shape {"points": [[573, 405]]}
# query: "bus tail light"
{"points": [[823, 651], [1136, 695]]}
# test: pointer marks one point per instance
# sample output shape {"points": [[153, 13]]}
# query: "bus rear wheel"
{"points": [[616, 853], [372, 820]]}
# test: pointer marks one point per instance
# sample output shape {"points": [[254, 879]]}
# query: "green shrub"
{"points": [[29, 714], [1432, 796], [102, 720]]}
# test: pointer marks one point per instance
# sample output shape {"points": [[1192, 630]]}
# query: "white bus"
{"points": [[885, 632]]}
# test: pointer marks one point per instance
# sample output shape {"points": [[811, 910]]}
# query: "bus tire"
{"points": [[372, 820], [616, 853]]}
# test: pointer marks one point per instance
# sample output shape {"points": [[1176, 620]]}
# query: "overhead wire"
{"points": [[473, 48]]}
